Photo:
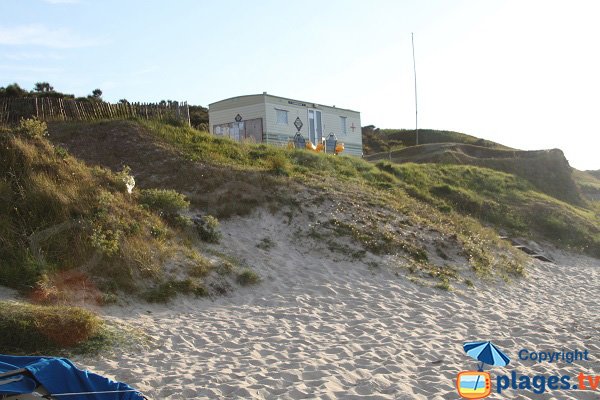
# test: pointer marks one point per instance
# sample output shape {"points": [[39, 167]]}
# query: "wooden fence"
{"points": [[56, 109]]}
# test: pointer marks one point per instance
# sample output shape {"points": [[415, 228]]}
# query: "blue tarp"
{"points": [[60, 377]]}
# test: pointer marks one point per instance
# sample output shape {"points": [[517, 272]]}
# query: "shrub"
{"points": [[208, 228], [247, 277], [61, 152], [181, 221], [32, 128], [126, 178], [32, 329], [278, 163], [161, 293], [165, 291], [444, 285], [266, 244], [164, 201], [107, 241]]}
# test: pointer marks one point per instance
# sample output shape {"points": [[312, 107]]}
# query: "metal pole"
{"points": [[412, 38]]}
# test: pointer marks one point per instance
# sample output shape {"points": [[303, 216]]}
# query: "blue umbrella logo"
{"points": [[486, 353]]}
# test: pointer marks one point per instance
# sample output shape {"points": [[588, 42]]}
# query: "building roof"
{"points": [[265, 94]]}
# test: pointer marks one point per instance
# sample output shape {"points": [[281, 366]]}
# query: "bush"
{"points": [[161, 293], [208, 228], [32, 128], [32, 328], [278, 163], [247, 277], [168, 290], [126, 178], [164, 201]]}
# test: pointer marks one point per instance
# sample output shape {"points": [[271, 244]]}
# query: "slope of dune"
{"points": [[320, 325]]}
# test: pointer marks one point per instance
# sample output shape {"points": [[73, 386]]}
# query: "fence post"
{"points": [[187, 111]]}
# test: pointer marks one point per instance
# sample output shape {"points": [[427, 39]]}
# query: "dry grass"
{"points": [[35, 329], [60, 215]]}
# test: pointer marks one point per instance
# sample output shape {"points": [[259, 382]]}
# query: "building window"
{"points": [[282, 117], [343, 126]]}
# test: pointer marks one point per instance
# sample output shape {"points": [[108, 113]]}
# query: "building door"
{"points": [[237, 131], [254, 130], [315, 126]]}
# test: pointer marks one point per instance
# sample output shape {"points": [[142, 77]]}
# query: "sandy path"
{"points": [[321, 329]]}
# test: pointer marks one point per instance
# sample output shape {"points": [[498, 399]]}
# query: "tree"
{"points": [[13, 90], [199, 117], [43, 87], [97, 94]]}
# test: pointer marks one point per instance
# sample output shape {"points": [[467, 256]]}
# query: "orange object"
{"points": [[473, 384], [339, 148], [318, 148]]}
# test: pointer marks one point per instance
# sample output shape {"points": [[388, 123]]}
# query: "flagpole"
{"points": [[412, 38]]}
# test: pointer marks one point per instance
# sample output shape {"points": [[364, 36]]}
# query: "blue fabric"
{"points": [[16, 384], [59, 376], [487, 353]]}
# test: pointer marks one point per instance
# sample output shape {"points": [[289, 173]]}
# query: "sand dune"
{"points": [[315, 328]]}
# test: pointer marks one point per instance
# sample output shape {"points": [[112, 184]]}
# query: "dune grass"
{"points": [[201, 146], [377, 140], [589, 185], [36, 329], [502, 200], [455, 201], [345, 179], [58, 214]]}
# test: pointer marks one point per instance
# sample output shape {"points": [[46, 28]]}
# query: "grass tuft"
{"points": [[247, 277], [36, 329]]}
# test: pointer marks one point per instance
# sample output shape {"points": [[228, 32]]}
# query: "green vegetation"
{"points": [[589, 185], [32, 128], [356, 186], [45, 329], [247, 277], [377, 140], [168, 290], [61, 214], [492, 197], [163, 201], [502, 200], [44, 89], [57, 215], [266, 244], [207, 227]]}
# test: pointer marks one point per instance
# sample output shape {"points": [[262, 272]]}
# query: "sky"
{"points": [[523, 73]]}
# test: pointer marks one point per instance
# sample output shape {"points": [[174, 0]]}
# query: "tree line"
{"points": [[44, 89]]}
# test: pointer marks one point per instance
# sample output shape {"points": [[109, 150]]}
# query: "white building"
{"points": [[264, 118]]}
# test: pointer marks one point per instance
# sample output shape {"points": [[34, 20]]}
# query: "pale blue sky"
{"points": [[524, 73]]}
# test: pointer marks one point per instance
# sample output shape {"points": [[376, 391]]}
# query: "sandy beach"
{"points": [[319, 328]]}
